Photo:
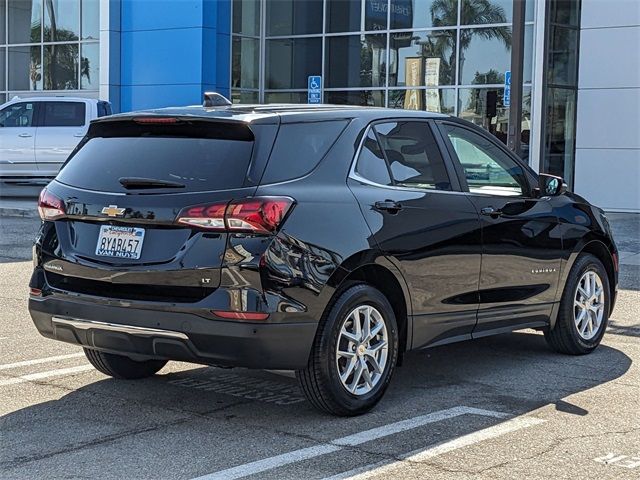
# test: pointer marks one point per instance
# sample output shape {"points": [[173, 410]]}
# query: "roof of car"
{"points": [[276, 112], [52, 98]]}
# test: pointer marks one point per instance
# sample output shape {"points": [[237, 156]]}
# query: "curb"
{"points": [[19, 212]]}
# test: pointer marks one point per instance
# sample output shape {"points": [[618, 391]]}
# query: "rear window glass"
{"points": [[200, 164], [63, 114], [300, 147]]}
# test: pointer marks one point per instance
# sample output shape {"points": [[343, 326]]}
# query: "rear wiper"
{"points": [[137, 182]]}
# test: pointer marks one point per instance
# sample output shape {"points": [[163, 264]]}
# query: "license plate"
{"points": [[122, 242]]}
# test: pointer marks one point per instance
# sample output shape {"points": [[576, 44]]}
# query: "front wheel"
{"points": [[584, 309], [354, 353]]}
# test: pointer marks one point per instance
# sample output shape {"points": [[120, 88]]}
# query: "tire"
{"points": [[565, 337], [320, 380], [119, 366]]}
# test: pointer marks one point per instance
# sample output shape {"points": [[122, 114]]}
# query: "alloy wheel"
{"points": [[589, 303], [362, 350]]}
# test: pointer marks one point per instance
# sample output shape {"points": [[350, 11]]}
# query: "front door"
{"points": [[17, 140], [521, 241], [431, 232]]}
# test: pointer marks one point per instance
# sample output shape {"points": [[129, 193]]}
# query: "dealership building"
{"points": [[557, 80]]}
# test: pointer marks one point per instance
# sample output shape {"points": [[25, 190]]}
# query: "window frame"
{"points": [[456, 187], [529, 176]]}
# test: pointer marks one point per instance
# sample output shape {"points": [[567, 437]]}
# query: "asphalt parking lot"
{"points": [[501, 407]]}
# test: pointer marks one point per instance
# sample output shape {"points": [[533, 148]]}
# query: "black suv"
{"points": [[327, 240]]}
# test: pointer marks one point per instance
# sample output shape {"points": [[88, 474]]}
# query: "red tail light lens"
{"points": [[252, 215], [50, 207]]}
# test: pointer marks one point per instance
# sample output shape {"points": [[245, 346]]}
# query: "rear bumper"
{"points": [[143, 334]]}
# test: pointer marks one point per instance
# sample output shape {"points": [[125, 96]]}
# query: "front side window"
{"points": [[63, 114], [412, 155], [17, 115], [487, 168]]}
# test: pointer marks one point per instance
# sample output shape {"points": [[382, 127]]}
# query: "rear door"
{"points": [[61, 127], [410, 198], [17, 139], [521, 239], [195, 164]]}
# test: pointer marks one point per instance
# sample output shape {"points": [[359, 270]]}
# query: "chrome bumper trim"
{"points": [[113, 327]]}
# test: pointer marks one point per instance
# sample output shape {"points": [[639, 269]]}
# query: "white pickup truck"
{"points": [[37, 134]]}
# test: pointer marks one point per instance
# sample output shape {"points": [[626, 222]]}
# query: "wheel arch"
{"points": [[381, 274], [603, 252]]}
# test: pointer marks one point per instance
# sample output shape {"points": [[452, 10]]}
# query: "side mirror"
{"points": [[550, 185]]}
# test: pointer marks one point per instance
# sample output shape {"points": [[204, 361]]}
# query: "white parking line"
{"points": [[385, 467], [50, 373], [351, 440], [26, 363]]}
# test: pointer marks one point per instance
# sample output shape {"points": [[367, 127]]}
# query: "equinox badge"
{"points": [[113, 211]]}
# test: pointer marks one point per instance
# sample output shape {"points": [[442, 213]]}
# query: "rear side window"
{"points": [[413, 155], [299, 148], [63, 114], [218, 162], [371, 163]]}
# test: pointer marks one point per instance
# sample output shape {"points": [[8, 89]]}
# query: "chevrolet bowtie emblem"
{"points": [[113, 211]]}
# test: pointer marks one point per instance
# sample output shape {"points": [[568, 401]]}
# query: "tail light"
{"points": [[252, 215], [50, 207]]}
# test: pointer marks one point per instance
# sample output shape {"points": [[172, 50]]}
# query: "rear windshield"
{"points": [[200, 164]]}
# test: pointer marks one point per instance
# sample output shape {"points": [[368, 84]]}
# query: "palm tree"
{"points": [[445, 13]]}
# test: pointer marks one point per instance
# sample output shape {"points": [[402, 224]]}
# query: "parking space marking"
{"points": [[48, 374], [294, 456], [37, 361], [421, 455]]}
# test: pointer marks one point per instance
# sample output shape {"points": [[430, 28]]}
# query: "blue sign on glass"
{"points": [[314, 89], [506, 101]]}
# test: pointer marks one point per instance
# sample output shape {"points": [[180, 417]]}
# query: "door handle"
{"points": [[25, 135], [490, 212], [79, 135], [388, 205]]}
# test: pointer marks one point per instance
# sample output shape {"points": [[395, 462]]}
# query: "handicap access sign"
{"points": [[506, 101], [314, 89]]}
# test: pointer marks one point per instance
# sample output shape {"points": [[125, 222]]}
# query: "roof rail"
{"points": [[214, 99]]}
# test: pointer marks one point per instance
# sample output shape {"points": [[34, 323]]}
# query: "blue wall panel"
{"points": [[172, 51], [161, 14]]}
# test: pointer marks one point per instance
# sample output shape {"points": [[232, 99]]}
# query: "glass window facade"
{"points": [[561, 89], [48, 45], [447, 56]]}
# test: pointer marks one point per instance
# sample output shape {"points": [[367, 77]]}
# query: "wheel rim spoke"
{"points": [[589, 305], [362, 350]]}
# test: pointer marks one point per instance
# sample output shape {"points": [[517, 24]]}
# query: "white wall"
{"points": [[607, 169]]}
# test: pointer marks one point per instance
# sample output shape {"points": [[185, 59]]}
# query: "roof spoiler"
{"points": [[214, 99]]}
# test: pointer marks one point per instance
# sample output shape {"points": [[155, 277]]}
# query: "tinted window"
{"points": [[413, 155], [17, 115], [63, 114], [371, 163], [201, 164], [104, 109], [299, 148], [487, 168]]}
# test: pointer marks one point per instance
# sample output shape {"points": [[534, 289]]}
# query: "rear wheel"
{"points": [[584, 309], [354, 353], [119, 366]]}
